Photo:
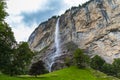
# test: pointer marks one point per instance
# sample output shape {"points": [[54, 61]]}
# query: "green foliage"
{"points": [[87, 3], [37, 68], [71, 46], [43, 50], [97, 62], [17, 60], [13, 59], [54, 17], [81, 60], [7, 41], [80, 6], [116, 67], [67, 10], [3, 14], [22, 58], [108, 69], [73, 8], [68, 62]]}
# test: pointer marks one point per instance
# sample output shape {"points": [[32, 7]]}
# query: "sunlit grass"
{"points": [[71, 73]]}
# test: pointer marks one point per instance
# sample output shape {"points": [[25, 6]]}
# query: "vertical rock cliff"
{"points": [[94, 27]]}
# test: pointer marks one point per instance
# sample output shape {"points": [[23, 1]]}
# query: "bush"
{"points": [[37, 68], [97, 63], [108, 69], [116, 67], [71, 46], [68, 62], [80, 59]]}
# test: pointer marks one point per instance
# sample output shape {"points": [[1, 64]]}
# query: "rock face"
{"points": [[94, 27]]}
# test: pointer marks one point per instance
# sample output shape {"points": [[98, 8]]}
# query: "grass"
{"points": [[71, 73]]}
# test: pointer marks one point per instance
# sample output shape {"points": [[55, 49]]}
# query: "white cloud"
{"points": [[22, 31], [16, 7], [70, 3], [28, 6], [15, 18]]}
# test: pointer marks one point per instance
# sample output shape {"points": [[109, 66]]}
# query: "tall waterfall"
{"points": [[52, 57], [57, 39]]}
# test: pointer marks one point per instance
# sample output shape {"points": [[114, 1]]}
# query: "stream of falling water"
{"points": [[52, 57]]}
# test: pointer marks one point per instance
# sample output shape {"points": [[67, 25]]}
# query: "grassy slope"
{"points": [[71, 73]]}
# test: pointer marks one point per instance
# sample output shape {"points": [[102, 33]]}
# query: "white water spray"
{"points": [[52, 57]]}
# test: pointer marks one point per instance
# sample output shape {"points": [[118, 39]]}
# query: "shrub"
{"points": [[71, 46], [108, 69], [97, 63], [68, 62], [80, 59], [37, 68], [116, 67]]}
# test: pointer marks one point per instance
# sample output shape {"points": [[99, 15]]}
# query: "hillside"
{"points": [[71, 73]]}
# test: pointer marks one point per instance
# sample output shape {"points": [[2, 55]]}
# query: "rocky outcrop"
{"points": [[94, 27]]}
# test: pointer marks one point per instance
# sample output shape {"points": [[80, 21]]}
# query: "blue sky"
{"points": [[26, 15]]}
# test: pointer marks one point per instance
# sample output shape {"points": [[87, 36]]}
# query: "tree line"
{"points": [[82, 60]]}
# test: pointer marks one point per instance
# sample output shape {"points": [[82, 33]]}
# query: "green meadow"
{"points": [[71, 73]]}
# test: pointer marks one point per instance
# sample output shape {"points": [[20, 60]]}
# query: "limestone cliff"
{"points": [[94, 27]]}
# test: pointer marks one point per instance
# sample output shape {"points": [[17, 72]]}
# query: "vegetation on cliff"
{"points": [[81, 60]]}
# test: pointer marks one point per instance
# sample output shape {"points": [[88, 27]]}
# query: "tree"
{"points": [[108, 69], [22, 58], [37, 68], [7, 41], [68, 61], [116, 67], [97, 62], [81, 60], [13, 59], [3, 14]]}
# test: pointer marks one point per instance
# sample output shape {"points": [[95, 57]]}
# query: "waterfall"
{"points": [[52, 57], [57, 39]]}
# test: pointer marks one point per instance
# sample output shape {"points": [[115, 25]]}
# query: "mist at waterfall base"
{"points": [[51, 58]]}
